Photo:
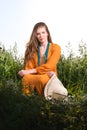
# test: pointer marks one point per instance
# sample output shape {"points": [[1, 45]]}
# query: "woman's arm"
{"points": [[24, 72], [33, 71], [29, 69], [48, 67]]}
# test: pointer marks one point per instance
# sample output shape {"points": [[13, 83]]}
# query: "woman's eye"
{"points": [[38, 34]]}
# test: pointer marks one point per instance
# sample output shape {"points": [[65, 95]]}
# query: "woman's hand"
{"points": [[50, 73], [24, 72]]}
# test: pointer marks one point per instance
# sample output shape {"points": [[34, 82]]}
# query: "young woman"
{"points": [[41, 58]]}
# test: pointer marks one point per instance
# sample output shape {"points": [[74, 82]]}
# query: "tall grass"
{"points": [[73, 71], [10, 64]]}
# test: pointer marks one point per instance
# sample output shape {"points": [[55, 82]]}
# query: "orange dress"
{"points": [[38, 81]]}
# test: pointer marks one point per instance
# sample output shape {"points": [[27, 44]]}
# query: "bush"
{"points": [[22, 112]]}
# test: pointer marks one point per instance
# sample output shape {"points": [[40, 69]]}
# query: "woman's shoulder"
{"points": [[55, 45]]}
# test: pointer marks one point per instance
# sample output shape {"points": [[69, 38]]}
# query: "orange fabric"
{"points": [[39, 80], [53, 57]]}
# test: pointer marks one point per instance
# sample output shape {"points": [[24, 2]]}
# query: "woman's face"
{"points": [[42, 35]]}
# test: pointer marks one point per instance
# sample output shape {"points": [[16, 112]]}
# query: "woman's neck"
{"points": [[44, 44], [43, 47]]}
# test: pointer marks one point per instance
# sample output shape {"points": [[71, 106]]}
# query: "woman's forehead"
{"points": [[41, 28]]}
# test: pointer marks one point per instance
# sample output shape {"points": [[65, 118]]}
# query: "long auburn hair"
{"points": [[32, 45]]}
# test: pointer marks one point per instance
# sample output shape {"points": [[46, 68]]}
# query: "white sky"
{"points": [[66, 20]]}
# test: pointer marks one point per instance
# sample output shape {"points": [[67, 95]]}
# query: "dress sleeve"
{"points": [[51, 63]]}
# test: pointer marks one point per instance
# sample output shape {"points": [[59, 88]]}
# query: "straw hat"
{"points": [[54, 89]]}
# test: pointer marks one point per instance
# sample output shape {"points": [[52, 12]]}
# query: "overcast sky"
{"points": [[66, 20]]}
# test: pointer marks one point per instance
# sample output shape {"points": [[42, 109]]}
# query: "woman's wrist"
{"points": [[32, 71]]}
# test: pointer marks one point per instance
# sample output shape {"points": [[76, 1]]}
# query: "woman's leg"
{"points": [[34, 82]]}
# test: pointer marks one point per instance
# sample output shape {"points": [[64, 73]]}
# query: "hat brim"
{"points": [[55, 89]]}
